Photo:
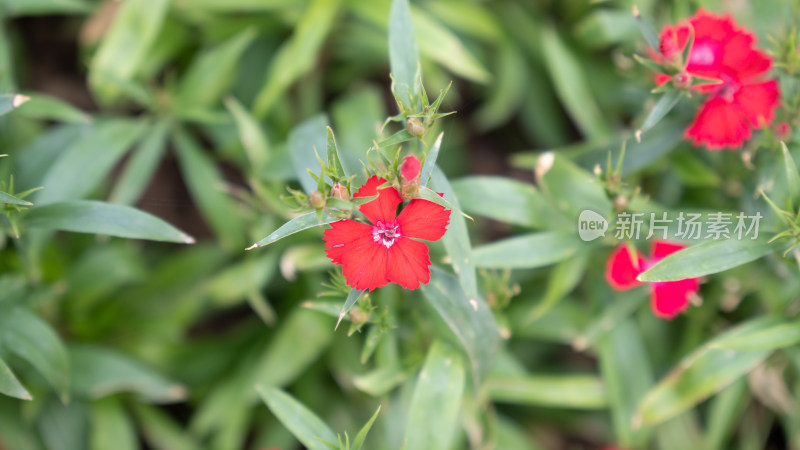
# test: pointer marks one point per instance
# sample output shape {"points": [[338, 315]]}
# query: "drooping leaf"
{"points": [[439, 388], [309, 429], [91, 216], [708, 257], [469, 318], [9, 102]]}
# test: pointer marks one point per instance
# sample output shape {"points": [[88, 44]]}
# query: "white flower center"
{"points": [[385, 233]]}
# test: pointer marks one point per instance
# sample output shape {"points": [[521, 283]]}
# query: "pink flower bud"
{"points": [[783, 131], [340, 191], [409, 176]]}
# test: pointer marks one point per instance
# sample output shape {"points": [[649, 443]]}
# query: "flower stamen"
{"points": [[385, 233]]}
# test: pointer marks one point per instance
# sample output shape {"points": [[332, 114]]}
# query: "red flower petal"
{"points": [[408, 263], [383, 208], [672, 297], [719, 124], [349, 243], [758, 102], [423, 219], [621, 269], [343, 236], [740, 60], [661, 249]]}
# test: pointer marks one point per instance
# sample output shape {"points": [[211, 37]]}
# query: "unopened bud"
{"points": [[358, 316], [682, 80], [409, 176], [316, 200], [621, 203], [415, 127], [340, 191], [783, 131]]}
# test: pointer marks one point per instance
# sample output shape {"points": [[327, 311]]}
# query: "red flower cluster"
{"points": [[668, 298], [740, 102], [371, 256]]}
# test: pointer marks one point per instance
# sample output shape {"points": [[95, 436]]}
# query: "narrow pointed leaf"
{"points": [[792, 175], [352, 297], [358, 442], [563, 391], [11, 200], [430, 160], [141, 166], [296, 225], [663, 106], [91, 216], [9, 385], [309, 429], [305, 140], [403, 53], [254, 141], [707, 258], [528, 251], [11, 101], [334, 161]]}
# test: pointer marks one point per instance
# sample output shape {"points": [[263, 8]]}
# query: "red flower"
{"points": [[373, 255], [668, 298], [738, 104]]}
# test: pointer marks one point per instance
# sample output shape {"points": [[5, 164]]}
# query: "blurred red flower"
{"points": [[372, 255], [668, 298], [740, 102]]}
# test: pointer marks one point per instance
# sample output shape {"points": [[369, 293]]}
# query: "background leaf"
{"points": [[304, 424]]}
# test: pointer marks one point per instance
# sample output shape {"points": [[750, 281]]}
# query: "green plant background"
{"points": [[184, 120]]}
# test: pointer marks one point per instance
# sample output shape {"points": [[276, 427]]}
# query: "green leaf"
{"points": [[352, 297], [9, 385], [45, 107], [236, 5], [571, 85], [11, 101], [212, 72], [469, 318], [64, 426], [403, 54], [358, 442], [125, 46], [254, 141], [705, 371], [527, 251], [508, 201], [284, 360], [11, 200], [395, 139], [46, 7], [555, 391], [207, 187], [160, 430], [443, 46], [626, 371], [306, 140], [792, 175], [141, 166], [779, 335], [724, 414], [334, 161], [430, 160], [91, 216], [99, 372], [647, 29], [112, 427], [439, 388], [565, 276], [706, 258], [309, 429], [298, 55], [296, 225], [663, 106], [83, 166], [456, 240], [32, 339], [570, 188]]}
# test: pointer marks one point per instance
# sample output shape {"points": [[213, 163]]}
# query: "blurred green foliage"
{"points": [[161, 119]]}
